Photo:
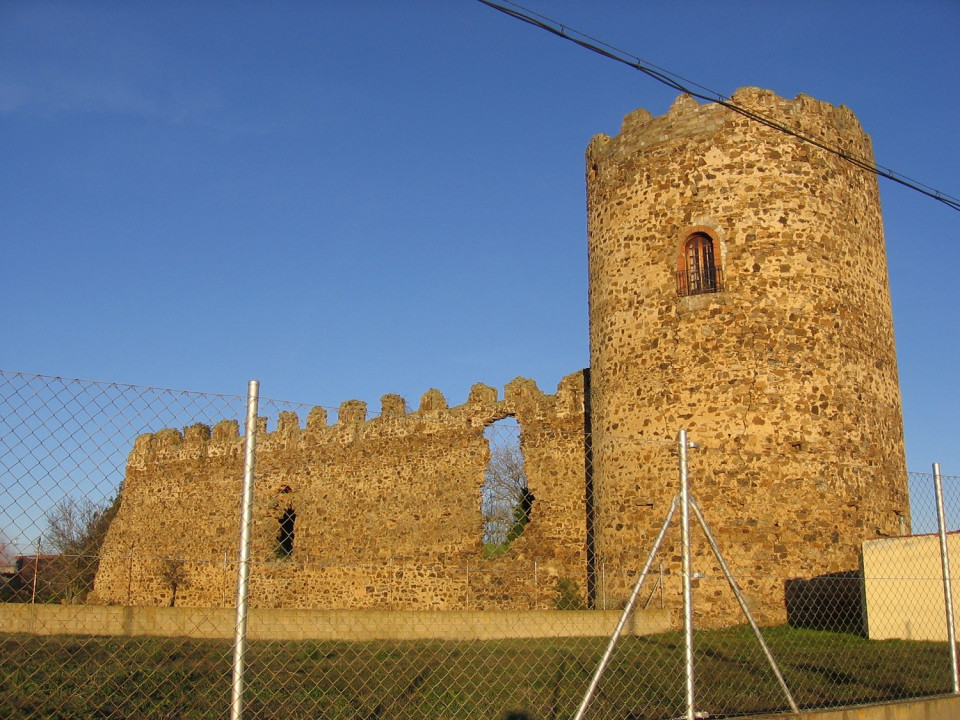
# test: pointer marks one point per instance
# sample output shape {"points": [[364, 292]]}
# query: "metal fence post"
{"points": [[36, 571], [536, 583], [687, 591], [947, 586], [130, 578], [603, 584], [627, 609], [243, 570]]}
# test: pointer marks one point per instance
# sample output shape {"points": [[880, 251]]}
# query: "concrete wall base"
{"points": [[348, 625]]}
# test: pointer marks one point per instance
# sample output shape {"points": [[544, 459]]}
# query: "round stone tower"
{"points": [[738, 290]]}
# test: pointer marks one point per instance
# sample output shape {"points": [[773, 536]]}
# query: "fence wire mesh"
{"points": [[446, 563]]}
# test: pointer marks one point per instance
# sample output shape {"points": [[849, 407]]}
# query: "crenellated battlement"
{"points": [[522, 399], [831, 124]]}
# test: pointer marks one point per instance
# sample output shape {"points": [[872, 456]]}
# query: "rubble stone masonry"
{"points": [[784, 371], [778, 358], [388, 510]]}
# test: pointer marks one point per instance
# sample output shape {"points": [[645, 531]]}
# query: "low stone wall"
{"points": [[351, 625]]}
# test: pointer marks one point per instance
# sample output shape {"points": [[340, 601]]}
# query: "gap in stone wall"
{"points": [[286, 532], [506, 500]]}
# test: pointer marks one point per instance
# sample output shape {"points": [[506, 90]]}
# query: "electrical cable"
{"points": [[684, 85]]}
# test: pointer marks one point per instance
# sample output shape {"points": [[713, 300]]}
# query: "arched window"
{"points": [[697, 270]]}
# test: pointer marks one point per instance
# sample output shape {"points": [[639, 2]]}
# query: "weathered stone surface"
{"points": [[388, 511], [786, 378]]}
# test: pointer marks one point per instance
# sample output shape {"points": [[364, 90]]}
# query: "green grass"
{"points": [[96, 677]]}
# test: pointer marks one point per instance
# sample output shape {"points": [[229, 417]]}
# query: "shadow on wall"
{"points": [[827, 602]]}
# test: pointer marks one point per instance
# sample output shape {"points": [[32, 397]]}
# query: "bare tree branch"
{"points": [[75, 531], [69, 524], [174, 576], [504, 491]]}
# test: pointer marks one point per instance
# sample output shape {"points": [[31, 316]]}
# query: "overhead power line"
{"points": [[701, 92]]}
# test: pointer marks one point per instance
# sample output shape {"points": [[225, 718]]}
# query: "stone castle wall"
{"points": [[786, 377], [388, 510]]}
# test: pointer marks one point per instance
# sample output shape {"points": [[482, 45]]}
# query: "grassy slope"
{"points": [[93, 677]]}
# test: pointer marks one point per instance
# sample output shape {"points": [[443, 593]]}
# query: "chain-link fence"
{"points": [[441, 563]]}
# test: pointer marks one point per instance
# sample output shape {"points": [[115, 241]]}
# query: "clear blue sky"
{"points": [[346, 199]]}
